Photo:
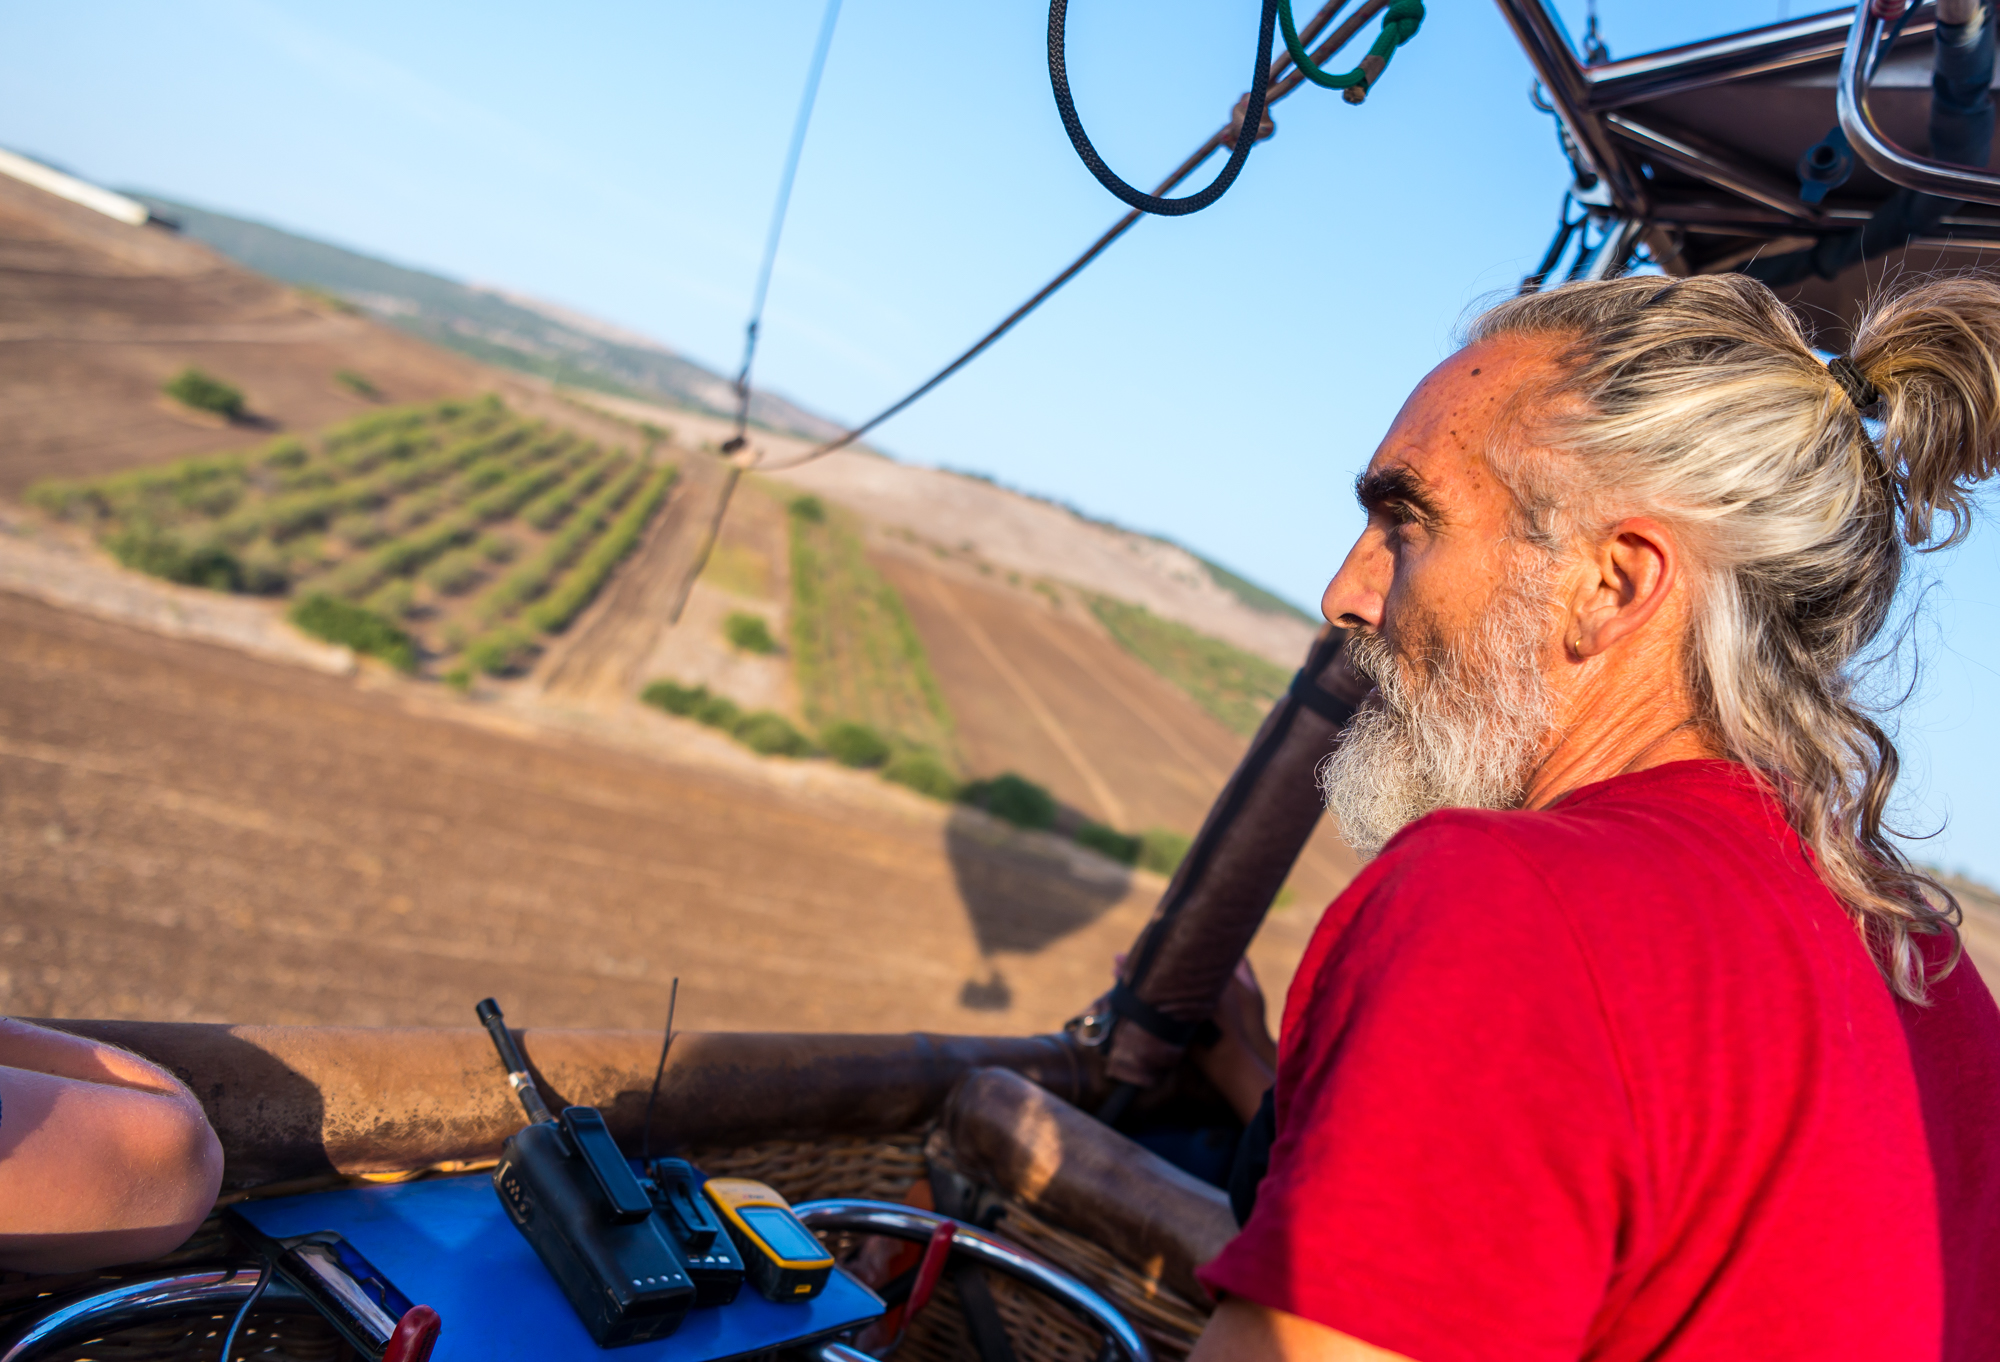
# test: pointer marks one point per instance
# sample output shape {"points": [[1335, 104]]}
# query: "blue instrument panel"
{"points": [[448, 1244]]}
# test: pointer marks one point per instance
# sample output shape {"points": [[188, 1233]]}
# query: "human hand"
{"points": [[1888, 10], [1244, 1062]]}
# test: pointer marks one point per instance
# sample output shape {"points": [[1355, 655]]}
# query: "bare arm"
{"points": [[1243, 1332], [104, 1158]]}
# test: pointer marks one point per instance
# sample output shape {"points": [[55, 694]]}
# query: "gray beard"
{"points": [[1462, 725]]}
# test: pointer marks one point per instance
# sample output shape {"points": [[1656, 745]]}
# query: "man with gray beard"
{"points": [[1637, 1037], [1461, 725]]}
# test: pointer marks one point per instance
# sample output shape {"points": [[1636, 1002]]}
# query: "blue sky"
{"points": [[1217, 379]]}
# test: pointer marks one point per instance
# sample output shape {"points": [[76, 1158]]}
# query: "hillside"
{"points": [[568, 348], [495, 327], [240, 778]]}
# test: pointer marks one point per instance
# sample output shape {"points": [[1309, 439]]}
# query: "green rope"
{"points": [[1400, 23]]}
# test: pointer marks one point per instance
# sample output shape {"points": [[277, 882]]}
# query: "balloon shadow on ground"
{"points": [[1019, 897]]}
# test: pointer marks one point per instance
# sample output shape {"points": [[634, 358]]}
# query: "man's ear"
{"points": [[1627, 579]]}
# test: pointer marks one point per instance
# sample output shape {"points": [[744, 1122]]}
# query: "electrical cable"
{"points": [[1279, 88], [777, 228], [1246, 134], [243, 1311]]}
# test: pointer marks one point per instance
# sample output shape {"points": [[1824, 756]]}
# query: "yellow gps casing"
{"points": [[780, 1255]]}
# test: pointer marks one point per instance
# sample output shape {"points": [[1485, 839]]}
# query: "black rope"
{"points": [[1119, 228], [1253, 119]]}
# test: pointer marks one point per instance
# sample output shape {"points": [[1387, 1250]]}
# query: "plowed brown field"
{"points": [[190, 833]]}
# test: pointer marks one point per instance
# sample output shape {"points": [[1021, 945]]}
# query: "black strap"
{"points": [[982, 1315], [1127, 1003], [1331, 708]]}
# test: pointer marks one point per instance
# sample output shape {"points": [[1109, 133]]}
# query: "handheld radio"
{"points": [[710, 1254], [569, 1191], [782, 1258]]}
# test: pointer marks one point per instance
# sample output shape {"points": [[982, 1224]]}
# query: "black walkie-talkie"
{"points": [[710, 1254], [574, 1198]]}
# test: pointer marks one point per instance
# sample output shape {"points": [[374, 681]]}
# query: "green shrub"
{"points": [[397, 600], [809, 509], [61, 497], [162, 553], [546, 511], [305, 478], [853, 744], [717, 711], [923, 772], [357, 384], [1119, 846], [501, 652], [1162, 851], [264, 571], [697, 703], [414, 511], [363, 630], [771, 734], [455, 572], [749, 633], [1014, 798], [498, 548], [673, 697], [204, 392], [287, 452], [360, 528]]}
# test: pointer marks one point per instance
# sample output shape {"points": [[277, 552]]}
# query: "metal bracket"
{"points": [[1873, 146]]}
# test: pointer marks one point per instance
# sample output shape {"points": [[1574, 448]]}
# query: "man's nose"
{"points": [[1354, 597]]}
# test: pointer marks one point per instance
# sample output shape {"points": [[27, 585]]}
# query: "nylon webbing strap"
{"points": [[1131, 1007], [1331, 708]]}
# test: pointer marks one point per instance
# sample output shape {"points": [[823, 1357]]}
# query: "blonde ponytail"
{"points": [[1933, 353], [1700, 402]]}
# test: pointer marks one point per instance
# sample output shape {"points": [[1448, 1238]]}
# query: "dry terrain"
{"points": [[220, 832], [192, 833]]}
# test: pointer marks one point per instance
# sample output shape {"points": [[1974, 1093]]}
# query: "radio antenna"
{"points": [[646, 1132]]}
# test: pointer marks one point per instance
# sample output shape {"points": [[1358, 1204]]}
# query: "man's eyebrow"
{"points": [[1382, 488]]}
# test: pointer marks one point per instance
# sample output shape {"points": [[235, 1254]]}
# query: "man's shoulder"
{"points": [[1651, 826]]}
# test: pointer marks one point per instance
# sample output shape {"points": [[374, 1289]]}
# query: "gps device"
{"points": [[782, 1258]]}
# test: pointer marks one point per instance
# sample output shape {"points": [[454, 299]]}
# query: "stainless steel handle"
{"points": [[1873, 146], [204, 1292], [907, 1222]]}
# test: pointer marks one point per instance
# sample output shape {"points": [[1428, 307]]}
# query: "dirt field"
{"points": [[96, 315], [1077, 713], [190, 833]]}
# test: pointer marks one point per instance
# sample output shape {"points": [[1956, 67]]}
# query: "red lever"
{"points": [[416, 1334], [929, 1270]]}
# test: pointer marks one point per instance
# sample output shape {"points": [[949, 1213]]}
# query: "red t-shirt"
{"points": [[1618, 1080]]}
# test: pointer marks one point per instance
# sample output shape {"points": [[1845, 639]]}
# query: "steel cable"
{"points": [[1228, 136]]}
